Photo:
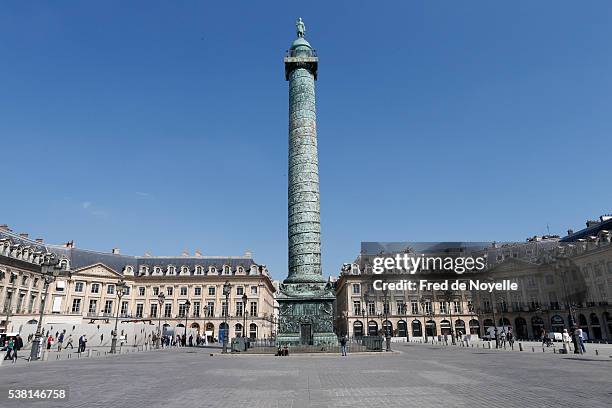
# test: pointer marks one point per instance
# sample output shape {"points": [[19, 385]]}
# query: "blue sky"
{"points": [[162, 126]]}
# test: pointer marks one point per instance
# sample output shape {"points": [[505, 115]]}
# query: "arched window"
{"points": [[582, 320], [475, 327], [253, 331], [387, 328], [238, 330], [445, 327], [372, 328], [521, 328], [417, 330], [556, 324], [184, 270], [402, 329], [198, 270], [459, 327], [171, 270], [358, 329], [430, 328], [226, 270], [223, 332]]}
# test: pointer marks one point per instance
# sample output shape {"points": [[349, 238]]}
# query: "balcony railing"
{"points": [[301, 53]]}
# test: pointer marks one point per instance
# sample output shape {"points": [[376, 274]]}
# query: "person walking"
{"points": [[10, 346], [503, 339], [60, 341], [511, 339], [69, 342], [565, 337], [580, 340], [49, 342], [343, 345]]}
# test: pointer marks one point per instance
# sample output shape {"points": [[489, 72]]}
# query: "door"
{"points": [[306, 334]]}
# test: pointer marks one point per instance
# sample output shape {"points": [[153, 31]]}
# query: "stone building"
{"points": [[85, 292], [560, 281]]}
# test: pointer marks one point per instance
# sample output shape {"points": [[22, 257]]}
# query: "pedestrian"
{"points": [[60, 341], [503, 339], [343, 345], [84, 343], [10, 345], [511, 339], [566, 341], [580, 340], [69, 342], [191, 340], [49, 342], [18, 346]]}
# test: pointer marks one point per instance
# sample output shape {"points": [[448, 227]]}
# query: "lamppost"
{"points": [[226, 291], [205, 309], [187, 306], [386, 323], [363, 313], [449, 297], [161, 298], [422, 303], [10, 305], [245, 298], [405, 306], [120, 287], [494, 320], [50, 270]]}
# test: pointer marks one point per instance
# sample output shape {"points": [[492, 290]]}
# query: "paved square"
{"points": [[416, 375]]}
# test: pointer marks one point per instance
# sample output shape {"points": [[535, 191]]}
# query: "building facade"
{"points": [[561, 282], [85, 292]]}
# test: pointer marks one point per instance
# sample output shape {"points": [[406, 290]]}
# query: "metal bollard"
{"points": [[596, 352], [533, 349], [89, 353], [554, 351], [520, 346]]}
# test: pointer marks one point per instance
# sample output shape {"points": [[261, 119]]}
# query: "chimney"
{"points": [[69, 244], [185, 253], [147, 254], [591, 223], [198, 253], [116, 251], [24, 235], [248, 254], [570, 231]]}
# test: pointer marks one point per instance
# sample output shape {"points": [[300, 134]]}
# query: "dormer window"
{"points": [[213, 270], [171, 270], [226, 270], [157, 270], [129, 270], [198, 270], [240, 270], [144, 269], [184, 270]]}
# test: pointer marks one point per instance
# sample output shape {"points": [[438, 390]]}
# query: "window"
{"points": [[155, 291], [414, 306], [126, 290], [356, 289], [95, 288], [184, 270], [168, 310], [76, 306], [31, 305], [386, 308], [223, 309], [211, 291], [93, 307], [210, 311], [427, 307], [486, 305], [110, 289], [196, 309], [153, 310], [442, 307], [24, 280], [470, 306], [183, 290], [239, 309], [253, 290], [371, 308], [254, 308], [169, 290], [171, 270], [198, 291], [124, 308], [401, 307], [226, 270], [108, 307], [456, 307], [35, 284], [182, 310], [198, 270], [239, 291], [78, 287], [141, 291], [139, 308], [356, 307], [60, 285]]}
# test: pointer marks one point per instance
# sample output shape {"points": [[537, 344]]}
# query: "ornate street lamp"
{"points": [[120, 287], [161, 298], [448, 295], [226, 292], [422, 302], [245, 298], [187, 306], [50, 270], [205, 309]]}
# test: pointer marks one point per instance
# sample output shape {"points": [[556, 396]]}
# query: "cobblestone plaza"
{"points": [[412, 375]]}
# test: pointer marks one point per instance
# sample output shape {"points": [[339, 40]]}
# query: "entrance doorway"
{"points": [[306, 334]]}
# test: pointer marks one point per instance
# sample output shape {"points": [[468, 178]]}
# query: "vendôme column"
{"points": [[303, 206], [305, 300]]}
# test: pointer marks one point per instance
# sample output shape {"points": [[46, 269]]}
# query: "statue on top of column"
{"points": [[300, 27]]}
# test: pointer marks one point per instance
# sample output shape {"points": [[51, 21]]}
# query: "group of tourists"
{"points": [[13, 344]]}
